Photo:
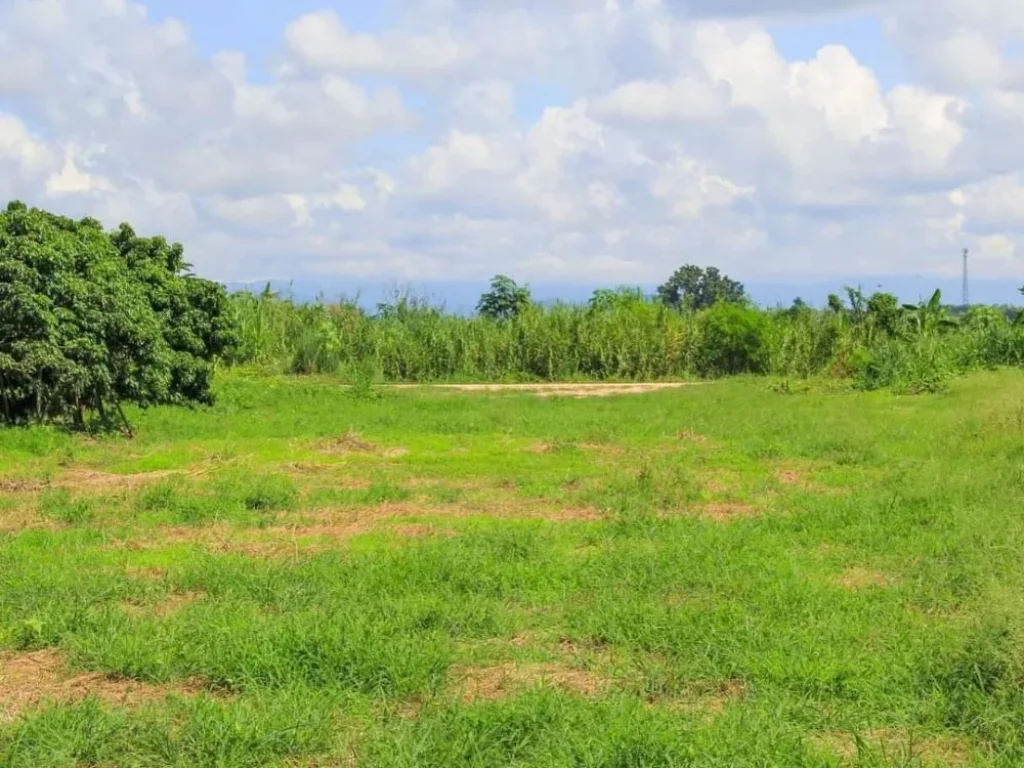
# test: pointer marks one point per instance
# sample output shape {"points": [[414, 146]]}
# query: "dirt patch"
{"points": [[273, 541], [793, 477], [706, 697], [147, 574], [898, 746], [11, 485], [419, 531], [726, 511], [856, 579], [22, 519], [83, 479], [721, 482], [352, 442], [513, 509], [324, 529], [689, 436], [30, 679], [557, 390], [167, 607], [504, 680]]}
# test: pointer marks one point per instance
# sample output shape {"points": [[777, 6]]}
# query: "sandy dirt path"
{"points": [[557, 390]]}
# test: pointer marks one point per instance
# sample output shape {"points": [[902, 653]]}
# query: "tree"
{"points": [[693, 288], [835, 304], [505, 300], [608, 299], [884, 311], [90, 320]]}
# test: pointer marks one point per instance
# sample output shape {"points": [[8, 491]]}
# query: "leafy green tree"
{"points": [[505, 300], [884, 311], [194, 313], [835, 304], [90, 320], [691, 287]]}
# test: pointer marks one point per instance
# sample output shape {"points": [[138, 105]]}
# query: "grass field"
{"points": [[724, 575]]}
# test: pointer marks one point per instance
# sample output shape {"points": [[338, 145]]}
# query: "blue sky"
{"points": [[790, 142]]}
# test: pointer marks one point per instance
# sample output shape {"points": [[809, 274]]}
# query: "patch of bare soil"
{"points": [[898, 746], [793, 477], [276, 540], [706, 697], [352, 442], [167, 607], [515, 509], [689, 436], [21, 519], [323, 529], [560, 390], [419, 531], [720, 482], [84, 479], [29, 679], [12, 485], [504, 680], [726, 511], [150, 574], [856, 579]]}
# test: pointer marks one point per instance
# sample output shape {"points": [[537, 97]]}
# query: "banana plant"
{"points": [[928, 317]]}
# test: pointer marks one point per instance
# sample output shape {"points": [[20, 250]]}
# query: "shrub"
{"points": [[734, 340]]}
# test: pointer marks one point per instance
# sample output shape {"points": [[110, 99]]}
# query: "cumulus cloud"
{"points": [[589, 139]]}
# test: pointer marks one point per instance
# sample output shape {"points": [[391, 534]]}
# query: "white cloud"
{"points": [[320, 41], [588, 139]]}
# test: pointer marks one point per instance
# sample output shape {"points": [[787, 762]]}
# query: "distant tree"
{"points": [[505, 300], [858, 304], [691, 287], [606, 299], [884, 311], [835, 304]]}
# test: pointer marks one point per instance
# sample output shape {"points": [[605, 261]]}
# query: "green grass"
{"points": [[726, 575]]}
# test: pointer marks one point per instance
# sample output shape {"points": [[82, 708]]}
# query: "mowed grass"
{"points": [[721, 575]]}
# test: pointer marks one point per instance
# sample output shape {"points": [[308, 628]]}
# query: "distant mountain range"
{"points": [[461, 296]]}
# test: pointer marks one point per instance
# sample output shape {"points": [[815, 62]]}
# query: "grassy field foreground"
{"points": [[722, 575]]}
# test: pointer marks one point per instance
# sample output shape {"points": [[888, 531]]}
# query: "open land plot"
{"points": [[706, 576]]}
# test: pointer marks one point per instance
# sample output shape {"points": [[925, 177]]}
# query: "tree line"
{"points": [[91, 320]]}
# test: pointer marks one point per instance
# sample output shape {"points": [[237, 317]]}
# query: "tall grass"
{"points": [[623, 338]]}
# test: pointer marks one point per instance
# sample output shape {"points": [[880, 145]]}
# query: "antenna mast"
{"points": [[967, 295]]}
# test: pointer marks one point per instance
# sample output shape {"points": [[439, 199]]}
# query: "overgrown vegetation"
{"points": [[91, 320], [871, 341]]}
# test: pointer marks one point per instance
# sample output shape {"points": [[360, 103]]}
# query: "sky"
{"points": [[563, 142]]}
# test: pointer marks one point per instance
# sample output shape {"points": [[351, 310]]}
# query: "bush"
{"points": [[92, 320], [734, 340]]}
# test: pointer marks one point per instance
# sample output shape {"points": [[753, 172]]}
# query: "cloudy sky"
{"points": [[556, 140]]}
